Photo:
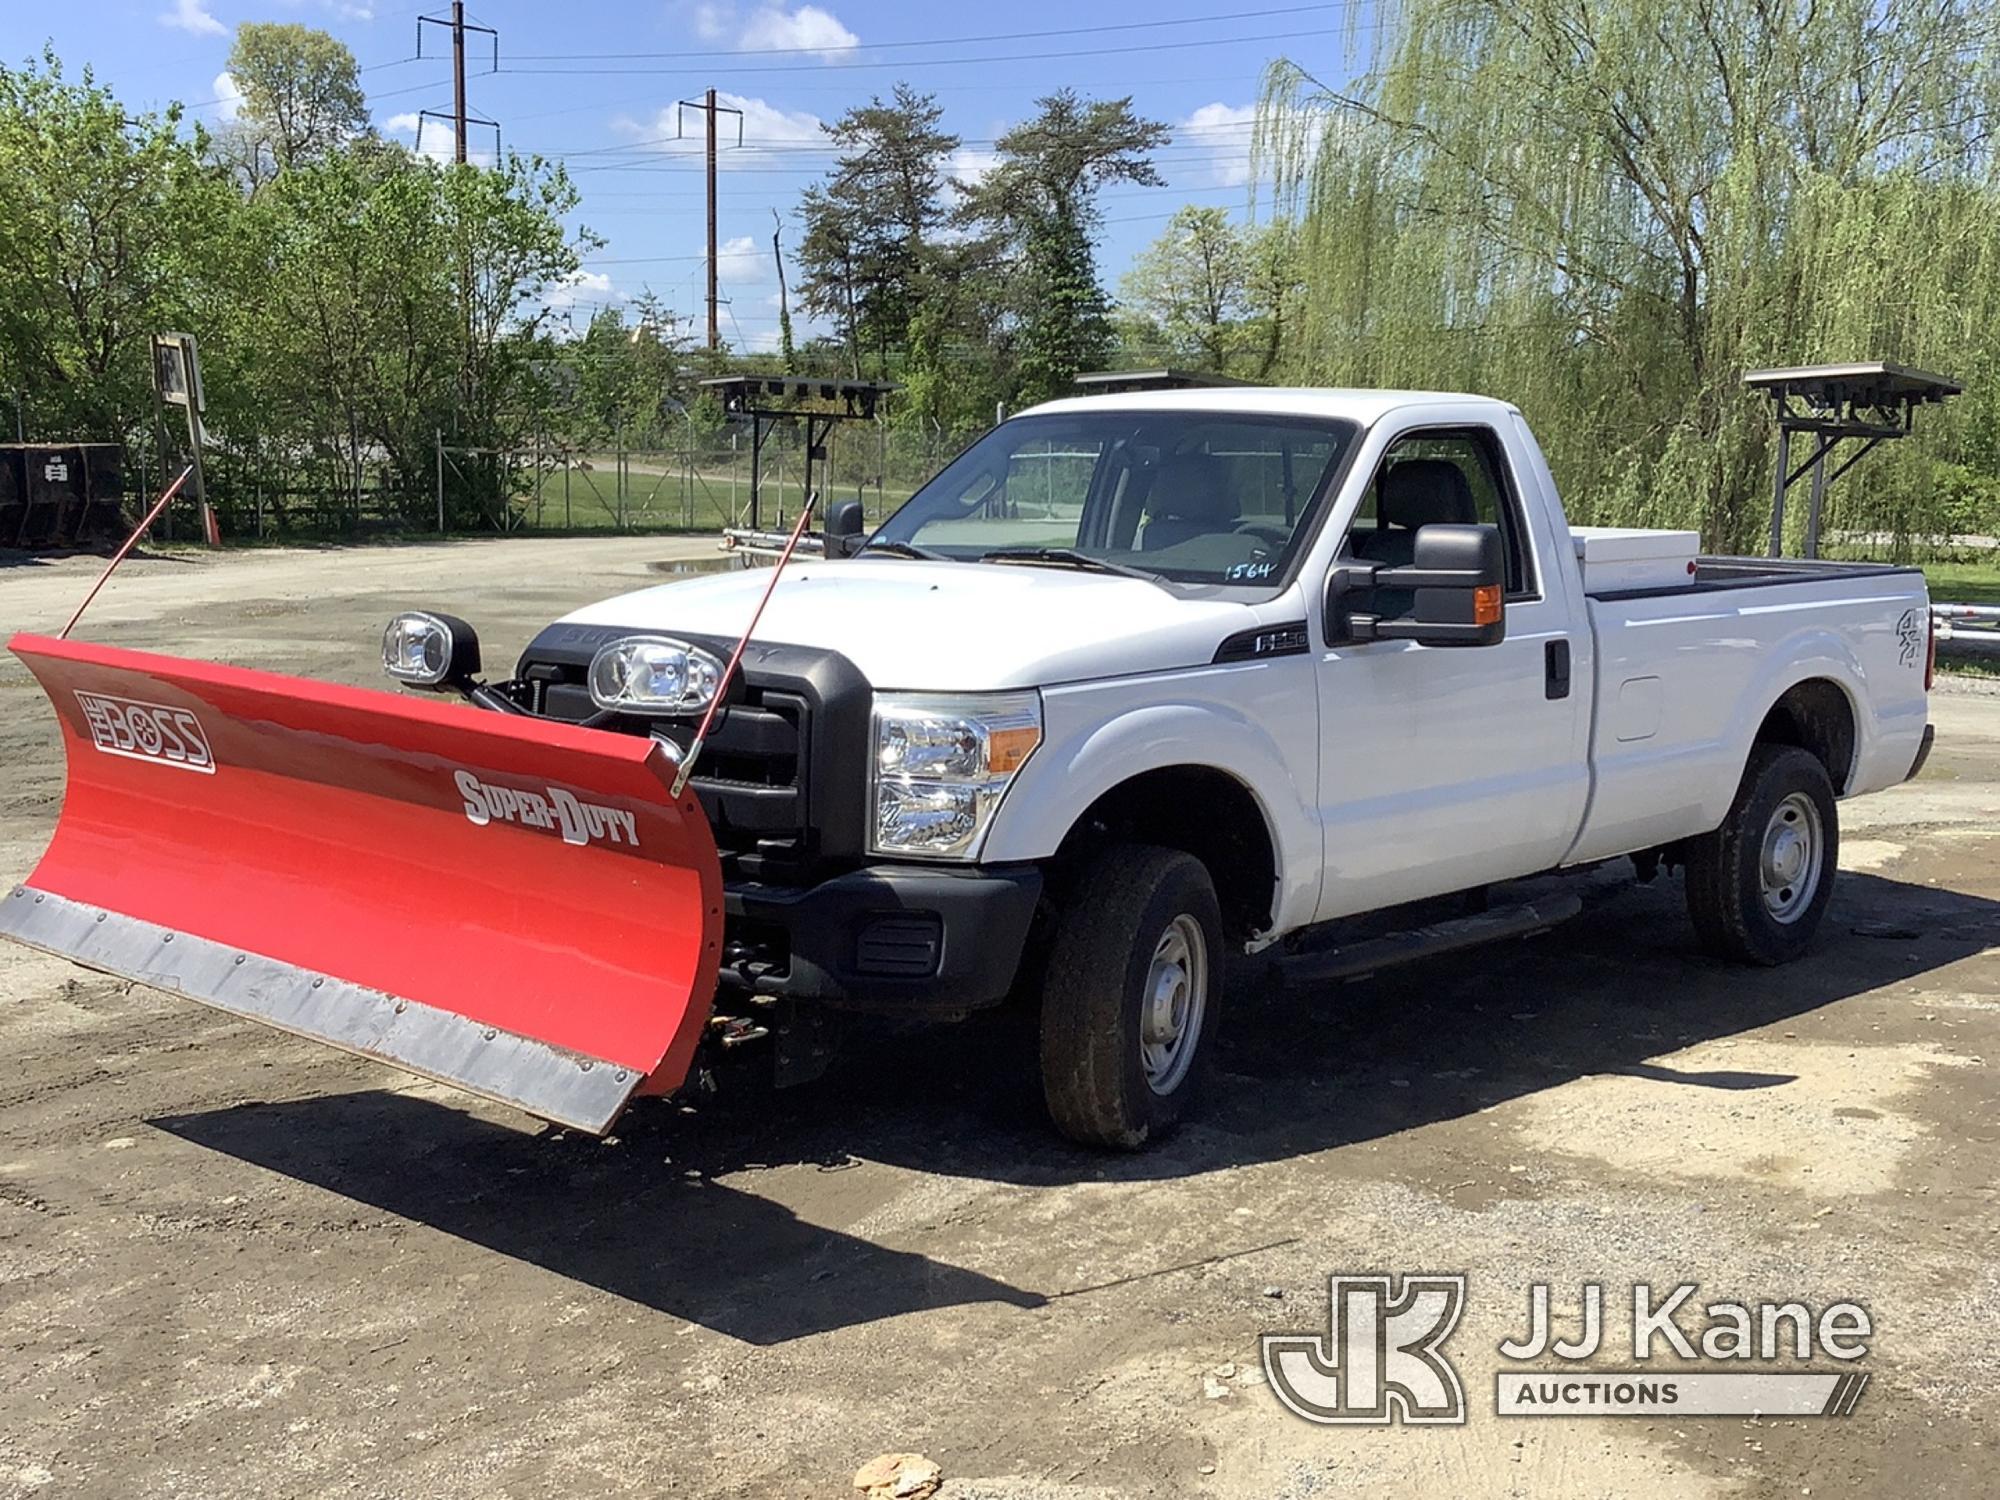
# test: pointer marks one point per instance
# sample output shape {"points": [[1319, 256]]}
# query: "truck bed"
{"points": [[1684, 675], [1713, 573]]}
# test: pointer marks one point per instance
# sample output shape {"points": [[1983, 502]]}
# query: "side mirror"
{"points": [[1456, 588], [843, 528]]}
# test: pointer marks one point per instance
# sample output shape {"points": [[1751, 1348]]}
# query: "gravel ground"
{"points": [[238, 1264]]}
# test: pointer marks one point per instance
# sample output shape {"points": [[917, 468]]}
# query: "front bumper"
{"points": [[897, 939]]}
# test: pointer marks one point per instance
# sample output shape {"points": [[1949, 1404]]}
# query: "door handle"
{"points": [[1555, 669]]}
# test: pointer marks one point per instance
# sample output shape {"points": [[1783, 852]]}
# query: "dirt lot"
{"points": [[238, 1264]]}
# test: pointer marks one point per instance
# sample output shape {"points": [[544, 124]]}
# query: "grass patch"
{"points": [[1964, 582]]}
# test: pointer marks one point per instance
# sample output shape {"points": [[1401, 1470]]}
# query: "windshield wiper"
{"points": [[1067, 557], [892, 548]]}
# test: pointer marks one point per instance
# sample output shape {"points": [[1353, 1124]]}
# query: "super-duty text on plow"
{"points": [[1138, 684]]}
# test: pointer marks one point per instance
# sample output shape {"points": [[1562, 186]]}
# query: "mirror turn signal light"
{"points": [[1486, 604]]}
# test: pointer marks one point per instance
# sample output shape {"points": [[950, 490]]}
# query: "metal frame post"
{"points": [[1778, 492], [1818, 500]]}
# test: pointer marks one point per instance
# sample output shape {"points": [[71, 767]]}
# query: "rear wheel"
{"points": [[1130, 998], [1758, 885]]}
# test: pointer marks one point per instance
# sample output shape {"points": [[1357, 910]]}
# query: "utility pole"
{"points": [[714, 326], [458, 78], [460, 117], [710, 109]]}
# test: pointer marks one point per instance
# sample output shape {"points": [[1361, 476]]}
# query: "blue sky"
{"points": [[595, 82]]}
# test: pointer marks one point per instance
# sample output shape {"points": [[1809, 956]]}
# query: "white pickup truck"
{"points": [[1139, 682]]}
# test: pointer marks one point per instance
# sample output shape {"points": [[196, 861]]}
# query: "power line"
{"points": [[828, 148], [948, 88], [939, 41], [947, 62]]}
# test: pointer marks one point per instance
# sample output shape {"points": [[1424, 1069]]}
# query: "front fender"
{"points": [[1257, 723]]}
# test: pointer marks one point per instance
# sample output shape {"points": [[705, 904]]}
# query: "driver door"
{"points": [[1444, 768]]}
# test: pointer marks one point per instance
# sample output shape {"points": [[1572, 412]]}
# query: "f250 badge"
{"points": [[147, 731], [578, 822]]}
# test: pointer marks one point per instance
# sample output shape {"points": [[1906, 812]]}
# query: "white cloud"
{"points": [[192, 16], [1220, 137], [433, 140], [741, 260], [712, 22], [228, 97], [970, 164], [345, 10], [764, 126], [807, 29], [773, 28], [579, 286]]}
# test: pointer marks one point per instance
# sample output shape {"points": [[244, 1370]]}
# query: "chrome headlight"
{"points": [[653, 674], [941, 766], [427, 650]]}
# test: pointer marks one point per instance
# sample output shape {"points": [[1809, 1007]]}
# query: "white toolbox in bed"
{"points": [[1631, 557]]}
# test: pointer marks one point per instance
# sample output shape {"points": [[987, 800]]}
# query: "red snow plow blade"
{"points": [[516, 907]]}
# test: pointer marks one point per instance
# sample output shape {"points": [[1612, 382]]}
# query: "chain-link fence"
{"points": [[689, 480]]}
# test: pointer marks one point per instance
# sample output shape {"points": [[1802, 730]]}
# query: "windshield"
{"points": [[1196, 497]]}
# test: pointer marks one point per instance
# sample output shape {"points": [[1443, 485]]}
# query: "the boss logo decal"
{"points": [[578, 822], [147, 731]]}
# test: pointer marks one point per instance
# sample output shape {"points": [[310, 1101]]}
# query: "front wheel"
{"points": [[1758, 885], [1133, 979]]}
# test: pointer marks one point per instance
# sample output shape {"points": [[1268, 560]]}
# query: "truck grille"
{"points": [[749, 776], [782, 778]]}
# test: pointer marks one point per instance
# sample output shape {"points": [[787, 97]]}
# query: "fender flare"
{"points": [[1065, 778], [1815, 655]]}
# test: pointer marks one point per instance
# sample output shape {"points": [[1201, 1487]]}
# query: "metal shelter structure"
{"points": [[819, 403], [1117, 382], [1870, 402]]}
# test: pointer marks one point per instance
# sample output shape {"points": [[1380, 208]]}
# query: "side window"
{"points": [[1442, 476]]}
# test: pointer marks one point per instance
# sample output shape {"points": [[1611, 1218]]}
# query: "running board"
{"points": [[1359, 960]]}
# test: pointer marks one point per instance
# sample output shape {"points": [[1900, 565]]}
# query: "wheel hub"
{"points": [[1792, 856], [1173, 1004]]}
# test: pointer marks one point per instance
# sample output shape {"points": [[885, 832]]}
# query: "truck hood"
{"points": [[955, 627]]}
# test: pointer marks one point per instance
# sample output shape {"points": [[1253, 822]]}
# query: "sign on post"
{"points": [[177, 382]]}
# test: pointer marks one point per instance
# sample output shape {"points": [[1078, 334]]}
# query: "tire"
{"points": [[1758, 885], [1136, 918]]}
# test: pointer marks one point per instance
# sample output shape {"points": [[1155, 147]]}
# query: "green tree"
{"points": [[1274, 289], [1193, 284], [113, 230], [1606, 212], [625, 372], [869, 253], [302, 98], [397, 297], [1039, 203]]}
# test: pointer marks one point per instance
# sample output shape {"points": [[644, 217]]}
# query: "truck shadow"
{"points": [[1295, 1074], [621, 1217]]}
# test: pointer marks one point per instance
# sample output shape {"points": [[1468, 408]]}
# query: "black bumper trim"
{"points": [[982, 916], [1923, 753]]}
